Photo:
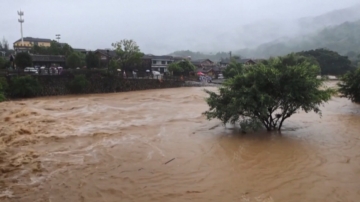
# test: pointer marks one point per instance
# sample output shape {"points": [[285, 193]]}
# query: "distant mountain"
{"points": [[336, 30], [341, 38], [336, 17]]}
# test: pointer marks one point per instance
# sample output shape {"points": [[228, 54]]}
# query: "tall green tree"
{"points": [[174, 68], [233, 69], [92, 60], [4, 45], [350, 85], [269, 93], [23, 60], [331, 62], [128, 53], [183, 66], [2, 63], [73, 61], [186, 66]]}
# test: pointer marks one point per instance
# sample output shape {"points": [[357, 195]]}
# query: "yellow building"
{"points": [[28, 42]]}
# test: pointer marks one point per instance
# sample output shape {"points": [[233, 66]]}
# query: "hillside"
{"points": [[341, 38]]}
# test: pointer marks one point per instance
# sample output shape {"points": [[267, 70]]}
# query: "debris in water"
{"points": [[169, 161]]}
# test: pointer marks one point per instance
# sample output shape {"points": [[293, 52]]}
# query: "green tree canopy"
{"points": [[331, 63], [350, 85], [23, 60], [183, 66], [175, 68], [92, 60], [73, 60], [269, 93], [25, 86], [54, 49], [186, 66], [128, 53], [233, 69]]}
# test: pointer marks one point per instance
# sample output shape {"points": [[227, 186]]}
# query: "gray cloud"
{"points": [[160, 26]]}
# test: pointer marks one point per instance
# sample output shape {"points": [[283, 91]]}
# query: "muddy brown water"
{"points": [[117, 147]]}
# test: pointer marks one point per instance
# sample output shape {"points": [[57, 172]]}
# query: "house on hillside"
{"points": [[225, 62], [29, 42], [203, 63]]}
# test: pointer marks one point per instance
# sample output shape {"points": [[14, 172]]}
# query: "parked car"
{"points": [[31, 70]]}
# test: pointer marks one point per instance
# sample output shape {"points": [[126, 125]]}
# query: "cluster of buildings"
{"points": [[150, 62]]}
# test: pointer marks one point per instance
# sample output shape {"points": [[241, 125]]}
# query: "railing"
{"points": [[94, 73]]}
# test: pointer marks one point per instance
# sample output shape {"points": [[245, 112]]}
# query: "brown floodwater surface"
{"points": [[157, 146]]}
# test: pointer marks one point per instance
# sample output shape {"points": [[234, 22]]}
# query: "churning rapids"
{"points": [[157, 146]]}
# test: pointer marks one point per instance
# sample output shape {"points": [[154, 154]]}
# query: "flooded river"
{"points": [[157, 146]]}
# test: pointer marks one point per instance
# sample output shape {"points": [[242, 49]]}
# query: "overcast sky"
{"points": [[158, 26]]}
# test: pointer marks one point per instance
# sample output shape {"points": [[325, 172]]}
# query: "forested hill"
{"points": [[343, 38], [199, 55]]}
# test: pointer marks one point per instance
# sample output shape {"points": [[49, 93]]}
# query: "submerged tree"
{"points": [[350, 85], [269, 93]]}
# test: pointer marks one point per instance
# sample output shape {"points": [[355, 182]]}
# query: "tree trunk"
{"points": [[281, 122]]}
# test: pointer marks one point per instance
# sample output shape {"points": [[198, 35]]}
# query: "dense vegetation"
{"points": [[23, 60], [128, 55], [350, 85], [74, 60], [330, 62], [269, 93], [183, 66], [92, 60], [54, 49], [78, 84], [25, 86], [232, 70], [3, 88]]}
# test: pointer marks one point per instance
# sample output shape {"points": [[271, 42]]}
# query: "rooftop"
{"points": [[31, 39]]}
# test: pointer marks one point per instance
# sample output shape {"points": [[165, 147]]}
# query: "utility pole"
{"points": [[58, 37], [21, 21]]}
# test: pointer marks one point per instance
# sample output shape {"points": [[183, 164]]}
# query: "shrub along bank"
{"points": [[35, 86]]}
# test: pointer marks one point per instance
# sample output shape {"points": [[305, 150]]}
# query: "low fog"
{"points": [[164, 26]]}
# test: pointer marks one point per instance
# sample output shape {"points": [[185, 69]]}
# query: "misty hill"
{"points": [[342, 38], [336, 30], [336, 17], [199, 55]]}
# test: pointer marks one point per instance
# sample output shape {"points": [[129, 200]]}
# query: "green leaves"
{"points": [[128, 53], [25, 86], [73, 60], [181, 66], [268, 92], [92, 61], [23, 60], [350, 85], [78, 84]]}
